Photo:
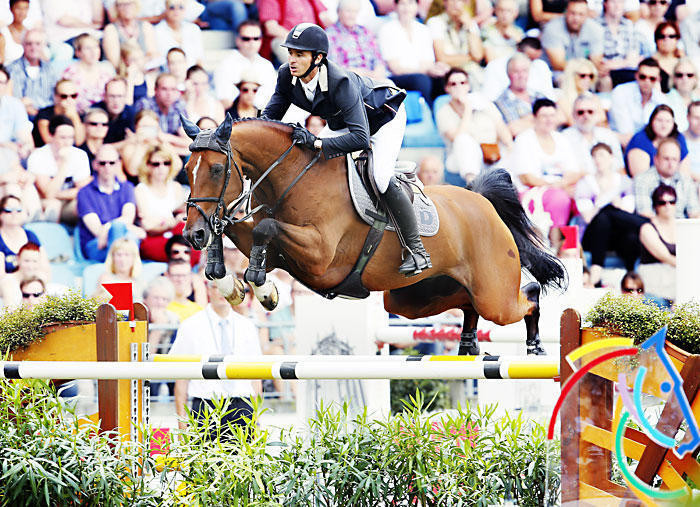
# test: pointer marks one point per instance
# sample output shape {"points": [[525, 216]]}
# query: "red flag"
{"points": [[122, 297], [570, 233]]}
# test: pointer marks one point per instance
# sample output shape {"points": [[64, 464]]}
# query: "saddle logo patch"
{"points": [[425, 217]]}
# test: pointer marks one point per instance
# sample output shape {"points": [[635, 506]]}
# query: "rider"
{"points": [[359, 113]]}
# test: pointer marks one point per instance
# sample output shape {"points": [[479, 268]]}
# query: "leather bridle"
{"points": [[219, 219]]}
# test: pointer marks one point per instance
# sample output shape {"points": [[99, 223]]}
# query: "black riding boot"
{"points": [[401, 208]]}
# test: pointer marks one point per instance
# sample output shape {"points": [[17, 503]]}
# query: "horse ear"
{"points": [[190, 128], [223, 131]]}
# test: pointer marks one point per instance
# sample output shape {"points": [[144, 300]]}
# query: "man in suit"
{"points": [[359, 112]]}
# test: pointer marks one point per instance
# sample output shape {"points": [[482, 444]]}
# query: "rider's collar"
{"points": [[208, 140], [322, 78]]}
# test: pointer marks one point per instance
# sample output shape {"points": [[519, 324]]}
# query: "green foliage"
{"points": [[627, 316], [46, 458], [435, 390], [684, 327], [465, 457], [21, 327]]}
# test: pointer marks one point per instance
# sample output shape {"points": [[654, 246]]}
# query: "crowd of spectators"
{"points": [[593, 106]]}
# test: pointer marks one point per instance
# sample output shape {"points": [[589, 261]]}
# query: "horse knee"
{"points": [[267, 229]]}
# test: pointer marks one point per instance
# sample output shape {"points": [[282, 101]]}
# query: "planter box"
{"points": [[656, 373]]}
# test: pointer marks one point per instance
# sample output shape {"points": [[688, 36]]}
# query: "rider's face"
{"points": [[299, 61]]}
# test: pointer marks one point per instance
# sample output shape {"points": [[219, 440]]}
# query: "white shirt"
{"points": [[582, 147], [310, 87], [693, 152], [150, 8], [395, 45], [201, 335], [42, 162], [191, 43], [528, 157], [495, 81], [79, 9], [230, 70], [627, 116]]}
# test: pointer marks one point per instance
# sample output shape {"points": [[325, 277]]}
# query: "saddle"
{"points": [[367, 202]]}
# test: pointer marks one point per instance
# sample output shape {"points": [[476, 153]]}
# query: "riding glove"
{"points": [[303, 137]]}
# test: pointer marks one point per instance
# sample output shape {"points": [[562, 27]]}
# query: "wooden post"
{"points": [[107, 336], [570, 332]]}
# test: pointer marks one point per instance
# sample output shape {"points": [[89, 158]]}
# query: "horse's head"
{"points": [[213, 181]]}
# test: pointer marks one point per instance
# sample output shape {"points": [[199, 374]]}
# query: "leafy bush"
{"points": [[626, 316], [47, 458], [22, 326], [435, 390], [463, 458], [684, 327]]}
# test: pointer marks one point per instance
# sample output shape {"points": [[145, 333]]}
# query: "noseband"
{"points": [[208, 140]]}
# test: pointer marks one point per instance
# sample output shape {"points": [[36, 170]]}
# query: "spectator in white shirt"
{"points": [[61, 170], [632, 103], [216, 330], [174, 31], [539, 80], [585, 133], [406, 46], [542, 159], [245, 57]]}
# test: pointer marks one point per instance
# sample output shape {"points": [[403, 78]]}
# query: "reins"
{"points": [[219, 219]]}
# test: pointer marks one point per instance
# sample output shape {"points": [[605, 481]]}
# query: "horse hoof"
{"points": [[471, 349], [215, 270], [232, 289], [255, 276], [535, 350], [267, 294]]}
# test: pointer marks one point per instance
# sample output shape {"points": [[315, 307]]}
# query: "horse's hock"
{"points": [[587, 419], [120, 402]]}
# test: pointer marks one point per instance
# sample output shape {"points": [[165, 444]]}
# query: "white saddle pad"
{"points": [[426, 213]]}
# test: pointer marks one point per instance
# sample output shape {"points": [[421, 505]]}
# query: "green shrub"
{"points": [[47, 458], [627, 316], [22, 326], [462, 458], [684, 327], [435, 390]]}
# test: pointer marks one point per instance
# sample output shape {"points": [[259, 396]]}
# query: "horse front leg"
{"points": [[265, 290]]}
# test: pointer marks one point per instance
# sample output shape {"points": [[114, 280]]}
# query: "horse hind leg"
{"points": [[468, 341], [532, 320]]}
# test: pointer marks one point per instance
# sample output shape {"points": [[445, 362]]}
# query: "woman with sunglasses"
{"points": [[643, 145], [632, 285], [160, 201], [658, 237], [684, 91], [650, 18], [65, 96], [668, 53], [244, 105], [580, 76], [13, 235], [199, 101]]}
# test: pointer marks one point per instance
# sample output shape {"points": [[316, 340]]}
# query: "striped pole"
{"points": [[331, 370], [177, 358]]}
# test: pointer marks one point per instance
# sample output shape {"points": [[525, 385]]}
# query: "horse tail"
{"points": [[497, 186]]}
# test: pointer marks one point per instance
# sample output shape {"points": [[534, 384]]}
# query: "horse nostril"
{"points": [[198, 237]]}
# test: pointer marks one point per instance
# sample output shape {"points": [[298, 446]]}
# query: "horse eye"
{"points": [[216, 170]]}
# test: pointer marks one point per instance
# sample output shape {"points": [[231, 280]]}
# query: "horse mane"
{"points": [[286, 126]]}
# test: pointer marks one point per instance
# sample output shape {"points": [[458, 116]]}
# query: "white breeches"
{"points": [[386, 145]]}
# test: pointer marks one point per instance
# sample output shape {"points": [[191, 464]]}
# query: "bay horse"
{"points": [[303, 221]]}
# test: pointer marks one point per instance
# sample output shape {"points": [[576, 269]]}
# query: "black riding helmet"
{"points": [[308, 37]]}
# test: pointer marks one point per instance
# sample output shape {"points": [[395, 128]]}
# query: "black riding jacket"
{"points": [[345, 100]]}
